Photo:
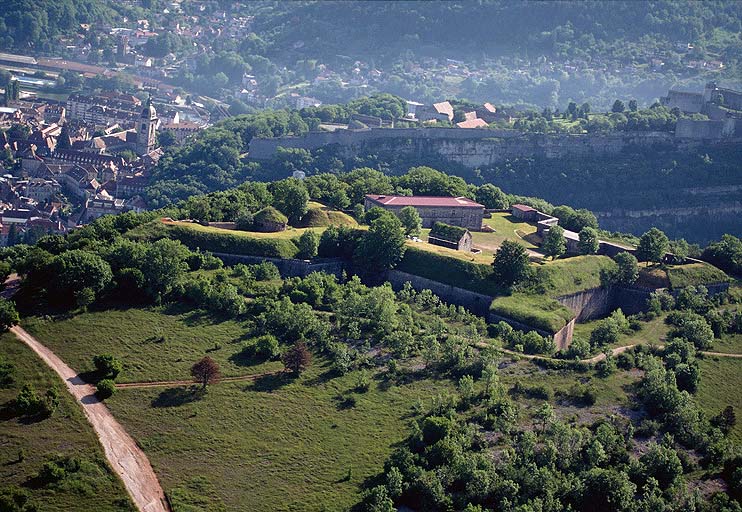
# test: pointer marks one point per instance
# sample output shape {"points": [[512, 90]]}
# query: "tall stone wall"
{"points": [[588, 304], [477, 303], [471, 148], [288, 267]]}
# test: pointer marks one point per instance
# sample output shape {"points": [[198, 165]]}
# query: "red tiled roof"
{"points": [[522, 208], [472, 123], [444, 202]]}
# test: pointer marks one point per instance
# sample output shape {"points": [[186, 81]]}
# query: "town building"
{"points": [[456, 211]]}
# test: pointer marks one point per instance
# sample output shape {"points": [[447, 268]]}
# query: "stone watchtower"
{"points": [[147, 129]]}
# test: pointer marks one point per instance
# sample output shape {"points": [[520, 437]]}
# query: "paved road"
{"points": [[122, 452]]}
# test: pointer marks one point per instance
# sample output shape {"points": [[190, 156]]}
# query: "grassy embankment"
{"points": [[66, 432], [721, 380]]}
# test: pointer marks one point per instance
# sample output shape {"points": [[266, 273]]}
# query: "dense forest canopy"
{"points": [[525, 29]]}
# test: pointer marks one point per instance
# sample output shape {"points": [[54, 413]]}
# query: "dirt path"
{"points": [[122, 452], [170, 383], [595, 359]]}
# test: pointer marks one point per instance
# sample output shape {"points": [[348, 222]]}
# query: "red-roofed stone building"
{"points": [[472, 123], [456, 211]]}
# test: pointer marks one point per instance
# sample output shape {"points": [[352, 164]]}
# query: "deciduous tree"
{"points": [[588, 243], [652, 246], [206, 371], [411, 221], [554, 244], [297, 358], [510, 264]]}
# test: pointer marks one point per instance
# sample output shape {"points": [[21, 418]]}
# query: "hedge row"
{"points": [[455, 272], [534, 310], [234, 244]]}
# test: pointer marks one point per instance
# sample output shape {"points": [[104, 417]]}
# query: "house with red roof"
{"points": [[455, 211]]}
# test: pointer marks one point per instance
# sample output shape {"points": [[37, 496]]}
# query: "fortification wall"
{"points": [[471, 148], [288, 267], [588, 304], [477, 303]]}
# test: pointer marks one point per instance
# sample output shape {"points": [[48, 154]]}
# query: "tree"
{"points": [[653, 246], [290, 196], [166, 138], [206, 371], [411, 221], [105, 388], [627, 270], [554, 244], [8, 315], [383, 245], [725, 420], [244, 220], [618, 106], [492, 197], [607, 489], [662, 464], [308, 243], [510, 264], [633, 107], [75, 270], [588, 243], [164, 262], [297, 358], [725, 254], [107, 366]]}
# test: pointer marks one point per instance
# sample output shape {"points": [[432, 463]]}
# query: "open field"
{"points": [[66, 432], [276, 444], [652, 332], [131, 335], [506, 227], [721, 380], [729, 343]]}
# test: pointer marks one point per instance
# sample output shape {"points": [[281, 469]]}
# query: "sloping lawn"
{"points": [[133, 336], [721, 380], [272, 445]]}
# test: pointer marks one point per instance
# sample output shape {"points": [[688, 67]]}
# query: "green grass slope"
{"points": [[95, 487]]}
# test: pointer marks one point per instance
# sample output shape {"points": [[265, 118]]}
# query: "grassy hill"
{"points": [[66, 432]]}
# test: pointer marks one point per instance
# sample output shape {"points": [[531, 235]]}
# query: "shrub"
{"points": [[265, 347], [107, 366], [605, 333], [105, 388], [232, 243], [265, 271], [28, 401]]}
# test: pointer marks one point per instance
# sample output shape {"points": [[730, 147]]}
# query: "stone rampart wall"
{"points": [[288, 267], [471, 147]]}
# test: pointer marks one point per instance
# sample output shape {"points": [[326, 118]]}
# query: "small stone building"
{"points": [[452, 237], [454, 211], [269, 220]]}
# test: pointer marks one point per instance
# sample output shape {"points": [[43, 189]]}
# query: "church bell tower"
{"points": [[147, 129]]}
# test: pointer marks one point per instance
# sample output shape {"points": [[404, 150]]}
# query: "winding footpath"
{"points": [[124, 455]]}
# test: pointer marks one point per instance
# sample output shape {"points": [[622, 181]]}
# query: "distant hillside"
{"points": [[33, 24], [467, 29]]}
